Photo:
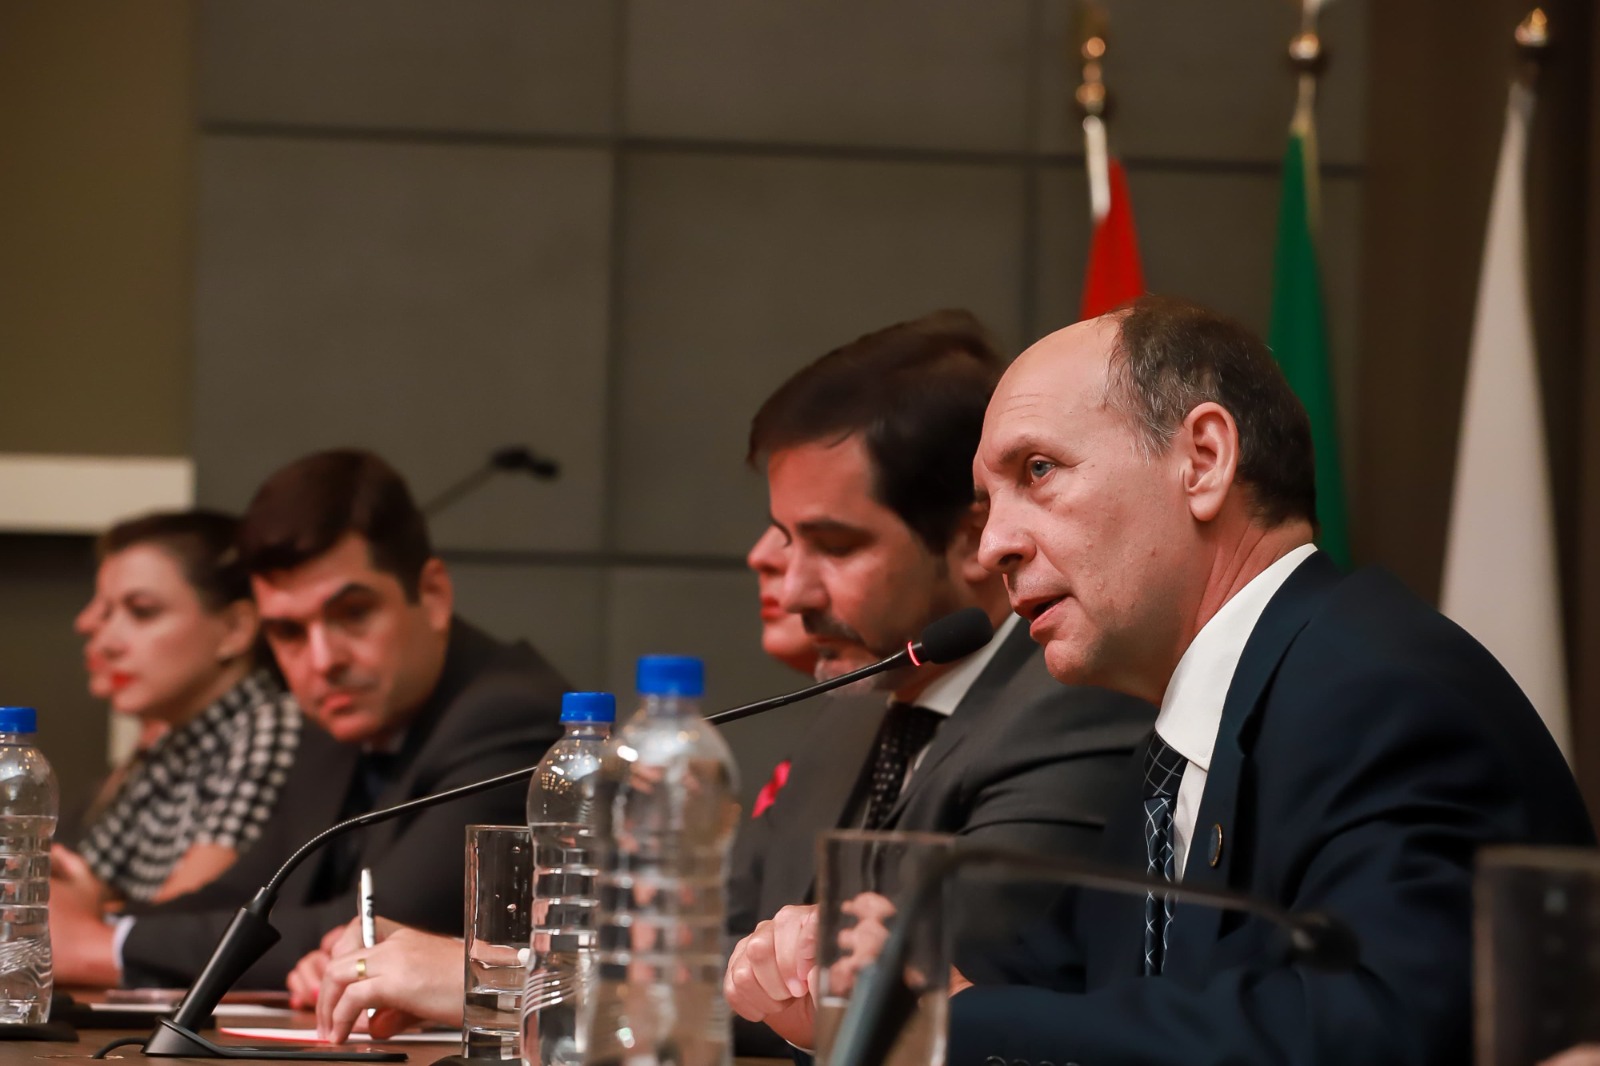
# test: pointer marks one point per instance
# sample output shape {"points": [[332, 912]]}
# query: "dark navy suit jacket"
{"points": [[1368, 748]]}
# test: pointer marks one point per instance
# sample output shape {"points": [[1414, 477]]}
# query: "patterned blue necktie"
{"points": [[1163, 770]]}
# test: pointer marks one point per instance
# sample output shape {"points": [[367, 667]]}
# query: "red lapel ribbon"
{"points": [[769, 791]]}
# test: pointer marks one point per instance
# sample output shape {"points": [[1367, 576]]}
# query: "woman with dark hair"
{"points": [[172, 638]]}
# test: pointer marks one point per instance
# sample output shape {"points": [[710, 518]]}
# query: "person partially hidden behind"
{"points": [[408, 700], [783, 634], [171, 640], [1325, 742]]}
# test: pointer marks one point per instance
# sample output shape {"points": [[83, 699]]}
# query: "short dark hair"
{"points": [[1172, 355], [301, 511], [916, 392], [201, 542]]}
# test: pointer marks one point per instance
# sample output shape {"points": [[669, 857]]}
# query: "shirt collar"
{"points": [[945, 692], [1191, 710]]}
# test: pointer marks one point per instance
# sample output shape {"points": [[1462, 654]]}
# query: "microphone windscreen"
{"points": [[955, 636]]}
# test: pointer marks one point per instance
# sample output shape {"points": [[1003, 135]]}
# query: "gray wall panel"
{"points": [[557, 609], [830, 71], [736, 271], [513, 66], [430, 302]]}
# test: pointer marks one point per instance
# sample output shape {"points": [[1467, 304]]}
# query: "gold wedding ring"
{"points": [[361, 967]]}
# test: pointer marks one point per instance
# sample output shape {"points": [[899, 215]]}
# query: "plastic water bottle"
{"points": [[28, 803], [671, 789], [562, 819]]}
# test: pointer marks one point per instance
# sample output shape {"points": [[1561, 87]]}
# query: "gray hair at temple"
{"points": [[1172, 355]]}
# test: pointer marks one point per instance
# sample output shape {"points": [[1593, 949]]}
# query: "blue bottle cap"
{"points": [[18, 720], [671, 675], [588, 707]]}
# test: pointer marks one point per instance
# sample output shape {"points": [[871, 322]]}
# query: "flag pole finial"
{"points": [[1305, 53], [1533, 33], [1090, 38], [1533, 44], [1307, 58], [1093, 102]]}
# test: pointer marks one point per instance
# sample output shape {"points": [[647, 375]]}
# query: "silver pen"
{"points": [[369, 917]]}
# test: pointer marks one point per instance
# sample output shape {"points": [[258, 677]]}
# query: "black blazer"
{"points": [[1368, 748], [495, 708], [1024, 762]]}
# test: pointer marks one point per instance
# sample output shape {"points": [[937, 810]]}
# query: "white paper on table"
{"points": [[132, 1008], [309, 1036]]}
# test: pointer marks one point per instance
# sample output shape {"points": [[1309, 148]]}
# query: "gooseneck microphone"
{"points": [[882, 1004], [955, 636], [508, 459], [251, 934]]}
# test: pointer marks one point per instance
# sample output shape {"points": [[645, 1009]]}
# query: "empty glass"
{"points": [[1537, 953], [499, 896], [862, 877]]}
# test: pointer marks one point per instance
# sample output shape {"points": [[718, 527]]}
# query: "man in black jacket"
{"points": [[411, 701]]}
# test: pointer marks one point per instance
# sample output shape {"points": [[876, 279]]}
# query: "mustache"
{"points": [[824, 625]]}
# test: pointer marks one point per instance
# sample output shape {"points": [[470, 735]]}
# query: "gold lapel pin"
{"points": [[1216, 843]]}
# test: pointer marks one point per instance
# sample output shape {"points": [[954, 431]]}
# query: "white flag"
{"points": [[1500, 576]]}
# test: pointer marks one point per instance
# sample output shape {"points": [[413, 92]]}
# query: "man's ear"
{"points": [[962, 554], [436, 593], [1209, 439], [240, 624]]}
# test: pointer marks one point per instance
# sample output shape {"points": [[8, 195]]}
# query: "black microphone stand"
{"points": [[881, 1003], [250, 936]]}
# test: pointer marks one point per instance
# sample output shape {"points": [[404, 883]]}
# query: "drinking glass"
{"points": [[862, 880], [497, 923], [1537, 953]]}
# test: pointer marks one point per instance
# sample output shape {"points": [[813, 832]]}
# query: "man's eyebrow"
{"points": [[1016, 449], [814, 526], [348, 590]]}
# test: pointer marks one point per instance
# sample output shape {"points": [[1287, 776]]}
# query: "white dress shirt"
{"points": [[1191, 709]]}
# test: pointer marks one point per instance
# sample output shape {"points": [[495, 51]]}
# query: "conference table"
{"points": [[32, 1052]]}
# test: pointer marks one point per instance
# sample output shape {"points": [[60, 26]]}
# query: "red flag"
{"points": [[1114, 276]]}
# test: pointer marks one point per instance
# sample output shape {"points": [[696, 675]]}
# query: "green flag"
{"points": [[1298, 336]]}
